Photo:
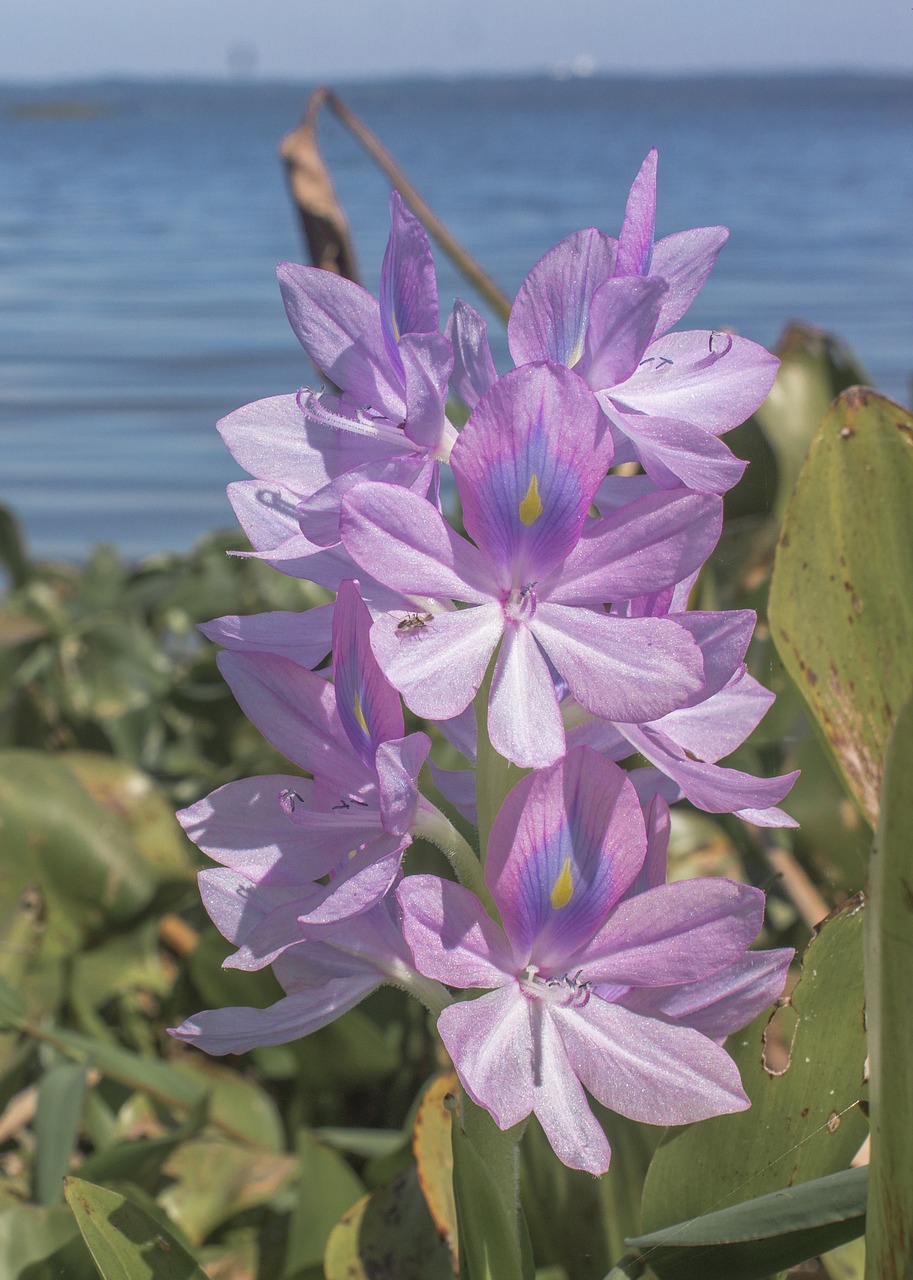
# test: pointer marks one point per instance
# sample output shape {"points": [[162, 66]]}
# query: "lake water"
{"points": [[140, 227]]}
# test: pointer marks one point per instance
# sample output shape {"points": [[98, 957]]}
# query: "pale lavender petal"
{"points": [[427, 360], [711, 787], [559, 1102], [645, 1069], [527, 464], [398, 765], [659, 825], [616, 666], [460, 732], [267, 512], [724, 637], [635, 240], [236, 906], [458, 786], [439, 665], [617, 491], [295, 710], [524, 719], [647, 545], [406, 542], [723, 1003], [304, 638], [473, 368], [451, 937], [712, 729], [318, 514], [623, 316], [650, 783], [566, 844], [368, 707], [551, 312], [674, 933], [242, 825], [712, 379], [490, 1042], [599, 734], [673, 452], [684, 260], [338, 324], [408, 288], [269, 439], [235, 1030]]}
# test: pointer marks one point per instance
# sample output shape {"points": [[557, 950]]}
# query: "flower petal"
{"points": [[451, 937], [524, 719], [304, 638], [566, 844], [243, 826], [368, 707], [490, 1042], [408, 287], [338, 324], [551, 312], [559, 1102], [684, 260], [645, 1069], [674, 933], [439, 665], [635, 240], [673, 452], [527, 464], [618, 666], [473, 368], [623, 317]]}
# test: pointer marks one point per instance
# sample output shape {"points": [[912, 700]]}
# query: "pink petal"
{"points": [[451, 937], [524, 719]]}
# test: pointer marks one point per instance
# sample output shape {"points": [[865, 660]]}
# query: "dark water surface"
{"points": [[140, 226]]}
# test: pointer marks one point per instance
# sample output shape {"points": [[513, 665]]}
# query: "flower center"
{"points": [[520, 603], [570, 989]]}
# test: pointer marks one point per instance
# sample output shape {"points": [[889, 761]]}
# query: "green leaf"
{"points": [[61, 1092], [42, 1244], [814, 368], [212, 1180], [841, 601], [327, 1188], [124, 1241], [889, 1011], [802, 1123], [83, 856], [389, 1236], [12, 1010], [768, 1234]]}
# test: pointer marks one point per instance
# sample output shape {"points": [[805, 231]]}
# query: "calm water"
{"points": [[139, 237]]}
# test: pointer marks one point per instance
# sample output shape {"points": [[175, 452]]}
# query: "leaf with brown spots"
{"points": [[841, 600]]}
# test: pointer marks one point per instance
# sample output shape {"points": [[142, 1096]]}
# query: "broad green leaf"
{"points": [[327, 1188], [760, 1236], [61, 1092], [802, 1123], [82, 856], [841, 601], [889, 1011], [212, 1180], [236, 1104], [132, 795], [814, 368], [432, 1147], [42, 1244], [389, 1236], [12, 1010], [140, 1160], [124, 1241]]}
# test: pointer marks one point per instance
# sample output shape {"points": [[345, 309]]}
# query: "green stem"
{"points": [[432, 825], [494, 775]]}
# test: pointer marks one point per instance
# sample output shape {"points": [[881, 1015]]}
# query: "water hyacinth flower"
{"points": [[527, 465], [392, 367], [603, 308], [602, 978], [299, 852]]}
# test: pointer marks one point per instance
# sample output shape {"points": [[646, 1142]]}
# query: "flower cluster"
{"points": [[548, 637]]}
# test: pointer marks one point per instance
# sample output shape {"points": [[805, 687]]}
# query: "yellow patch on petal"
{"points": [[395, 325], [531, 507], [574, 357], [563, 888], [360, 715]]}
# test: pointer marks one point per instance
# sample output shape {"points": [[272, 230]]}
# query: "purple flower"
{"points": [[527, 466], [602, 976], [278, 838], [388, 422], [323, 977], [603, 307]]}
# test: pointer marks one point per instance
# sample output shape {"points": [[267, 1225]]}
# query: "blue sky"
{"points": [[325, 39]]}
